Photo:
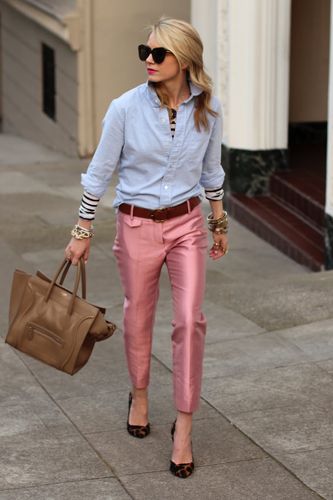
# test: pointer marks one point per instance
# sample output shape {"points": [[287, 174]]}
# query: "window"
{"points": [[49, 86]]}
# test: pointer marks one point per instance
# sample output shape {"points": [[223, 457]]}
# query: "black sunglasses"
{"points": [[158, 54]]}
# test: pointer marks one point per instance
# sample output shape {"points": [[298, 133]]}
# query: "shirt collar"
{"points": [[195, 91]]}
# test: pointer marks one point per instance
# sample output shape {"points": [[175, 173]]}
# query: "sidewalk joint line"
{"points": [[100, 456], [39, 485], [248, 437], [263, 449]]}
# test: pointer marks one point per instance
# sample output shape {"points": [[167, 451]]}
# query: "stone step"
{"points": [[281, 227], [303, 194]]}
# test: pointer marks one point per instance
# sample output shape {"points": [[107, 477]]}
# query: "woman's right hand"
{"points": [[77, 249]]}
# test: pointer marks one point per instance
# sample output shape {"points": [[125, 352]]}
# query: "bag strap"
{"points": [[65, 271], [80, 276]]}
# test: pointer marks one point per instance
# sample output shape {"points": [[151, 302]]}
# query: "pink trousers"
{"points": [[141, 248]]}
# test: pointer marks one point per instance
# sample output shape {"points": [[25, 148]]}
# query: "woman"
{"points": [[165, 138]]}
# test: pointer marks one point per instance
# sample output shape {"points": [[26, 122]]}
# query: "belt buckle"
{"points": [[159, 210]]}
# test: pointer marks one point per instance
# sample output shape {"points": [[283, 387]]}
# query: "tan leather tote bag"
{"points": [[53, 324]]}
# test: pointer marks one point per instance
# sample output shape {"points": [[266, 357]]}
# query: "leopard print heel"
{"points": [[138, 431], [180, 470]]}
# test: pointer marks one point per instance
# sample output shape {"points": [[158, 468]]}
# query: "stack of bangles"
{"points": [[220, 225], [82, 233]]}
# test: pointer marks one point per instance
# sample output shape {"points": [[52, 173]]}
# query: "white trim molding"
{"points": [[86, 118], [222, 76], [329, 163]]}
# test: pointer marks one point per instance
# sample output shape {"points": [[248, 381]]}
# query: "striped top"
{"points": [[88, 206], [172, 118]]}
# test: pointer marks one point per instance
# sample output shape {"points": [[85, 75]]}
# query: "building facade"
{"points": [[272, 61], [63, 61]]}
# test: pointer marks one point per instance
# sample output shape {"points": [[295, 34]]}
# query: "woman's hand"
{"points": [[220, 246], [77, 249]]}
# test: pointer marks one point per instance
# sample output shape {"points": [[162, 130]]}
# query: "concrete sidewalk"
{"points": [[265, 426]]}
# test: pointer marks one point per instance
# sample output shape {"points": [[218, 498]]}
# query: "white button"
{"points": [[166, 187]]}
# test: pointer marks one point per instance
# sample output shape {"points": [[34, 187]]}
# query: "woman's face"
{"points": [[166, 71]]}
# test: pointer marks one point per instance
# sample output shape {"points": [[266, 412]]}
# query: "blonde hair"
{"points": [[183, 40]]}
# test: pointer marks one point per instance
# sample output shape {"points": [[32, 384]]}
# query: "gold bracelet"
{"points": [[82, 233], [219, 225], [220, 219]]}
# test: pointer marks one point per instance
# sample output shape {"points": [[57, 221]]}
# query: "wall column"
{"points": [[329, 167], [252, 80], [258, 93]]}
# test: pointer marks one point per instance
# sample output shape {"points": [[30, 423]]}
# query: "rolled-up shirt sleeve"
{"points": [[212, 176], [106, 158]]}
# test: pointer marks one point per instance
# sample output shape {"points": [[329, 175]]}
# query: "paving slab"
{"points": [[18, 418], [24, 405], [97, 489], [283, 302], [288, 429], [266, 389], [124, 452], [17, 150], [279, 387], [10, 261], [326, 365], [245, 480], [37, 457], [248, 354], [19, 183], [313, 468], [315, 339]]}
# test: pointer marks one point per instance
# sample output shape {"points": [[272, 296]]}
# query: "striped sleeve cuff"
{"points": [[214, 194], [88, 206]]}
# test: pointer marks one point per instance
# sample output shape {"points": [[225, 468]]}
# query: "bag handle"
{"points": [[80, 276], [83, 277]]}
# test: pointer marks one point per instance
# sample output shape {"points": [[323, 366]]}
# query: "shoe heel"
{"points": [[180, 470], [138, 431], [173, 428]]}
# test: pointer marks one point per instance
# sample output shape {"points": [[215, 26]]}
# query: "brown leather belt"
{"points": [[161, 214]]}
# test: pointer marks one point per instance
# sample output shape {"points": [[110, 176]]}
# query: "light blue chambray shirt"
{"points": [[155, 170]]}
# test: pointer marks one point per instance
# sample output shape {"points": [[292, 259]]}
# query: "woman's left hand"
{"points": [[220, 246]]}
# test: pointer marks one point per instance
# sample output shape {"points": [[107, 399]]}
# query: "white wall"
{"points": [[118, 28]]}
